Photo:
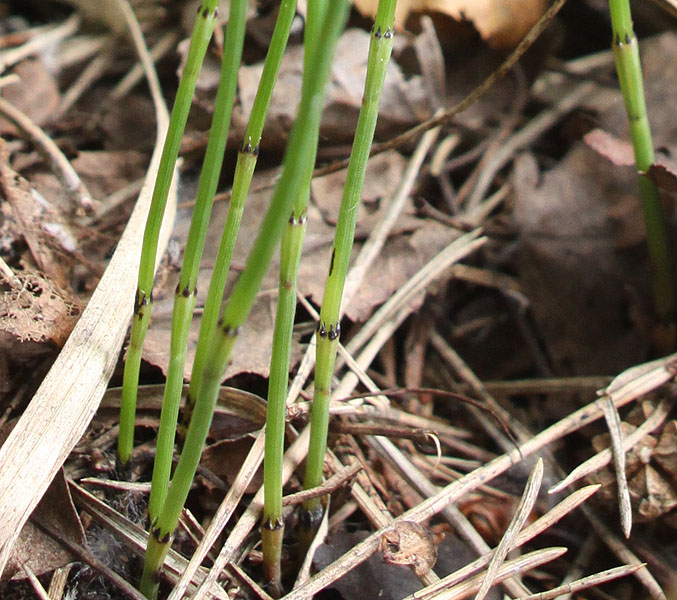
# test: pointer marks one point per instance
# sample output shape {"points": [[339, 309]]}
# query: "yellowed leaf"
{"points": [[502, 23]]}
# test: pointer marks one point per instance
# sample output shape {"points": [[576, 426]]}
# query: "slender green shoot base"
{"points": [[628, 67], [272, 534], [329, 326]]}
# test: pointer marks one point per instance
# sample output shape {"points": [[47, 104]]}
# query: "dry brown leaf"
{"points": [[664, 176], [31, 213], [35, 317], [577, 281], [650, 467], [36, 95], [224, 459], [655, 496], [39, 550], [589, 299], [416, 242], [665, 453], [502, 23], [618, 151], [403, 99]]}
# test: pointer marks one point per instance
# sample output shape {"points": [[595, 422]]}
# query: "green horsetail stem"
{"points": [[329, 327], [244, 170], [201, 35], [296, 171], [184, 298], [629, 69], [272, 527]]}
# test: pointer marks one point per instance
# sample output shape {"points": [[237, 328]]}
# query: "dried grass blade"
{"points": [[65, 403], [586, 582], [507, 541], [519, 565], [641, 379], [613, 422]]}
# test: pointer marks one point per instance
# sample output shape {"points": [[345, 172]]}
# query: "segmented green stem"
{"points": [[184, 298], [272, 527], [296, 172], [329, 327], [244, 170], [202, 32], [629, 69]]}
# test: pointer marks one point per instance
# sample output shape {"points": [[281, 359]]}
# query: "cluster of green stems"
{"points": [[285, 219]]}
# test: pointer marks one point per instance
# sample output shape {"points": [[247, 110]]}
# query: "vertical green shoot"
{"points": [[296, 171], [184, 298], [201, 35], [329, 327], [272, 527], [244, 170], [628, 67]]}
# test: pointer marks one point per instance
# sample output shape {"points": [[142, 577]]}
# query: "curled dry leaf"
{"points": [[502, 23], [409, 544]]}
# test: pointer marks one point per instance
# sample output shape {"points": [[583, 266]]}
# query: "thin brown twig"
{"points": [[333, 483], [467, 102], [399, 392], [520, 139], [124, 586], [51, 153], [35, 582]]}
